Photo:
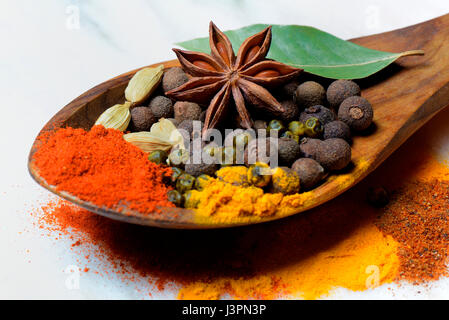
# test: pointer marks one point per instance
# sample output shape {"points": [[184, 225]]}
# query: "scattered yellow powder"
{"points": [[364, 259]]}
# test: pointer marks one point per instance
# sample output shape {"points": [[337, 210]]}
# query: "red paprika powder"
{"points": [[100, 167]]}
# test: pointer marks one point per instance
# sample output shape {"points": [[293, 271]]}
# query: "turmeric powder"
{"points": [[365, 259], [236, 175], [222, 201], [229, 197]]}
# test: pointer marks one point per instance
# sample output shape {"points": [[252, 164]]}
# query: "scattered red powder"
{"points": [[418, 218], [100, 167]]}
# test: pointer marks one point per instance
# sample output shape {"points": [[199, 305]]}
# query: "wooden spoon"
{"points": [[404, 96]]}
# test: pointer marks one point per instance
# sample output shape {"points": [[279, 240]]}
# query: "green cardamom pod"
{"points": [[116, 117], [143, 83]]}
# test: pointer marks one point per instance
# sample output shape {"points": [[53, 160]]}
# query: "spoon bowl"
{"points": [[404, 97]]}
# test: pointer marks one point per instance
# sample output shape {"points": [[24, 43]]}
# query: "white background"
{"points": [[48, 58]]}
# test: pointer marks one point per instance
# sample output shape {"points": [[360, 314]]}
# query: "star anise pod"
{"points": [[221, 74]]}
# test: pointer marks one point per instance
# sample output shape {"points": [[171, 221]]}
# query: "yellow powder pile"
{"points": [[365, 259], [226, 201]]}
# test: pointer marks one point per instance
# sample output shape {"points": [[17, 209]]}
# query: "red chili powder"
{"points": [[99, 166], [418, 218]]}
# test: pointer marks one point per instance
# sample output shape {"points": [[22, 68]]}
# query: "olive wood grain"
{"points": [[404, 96]]}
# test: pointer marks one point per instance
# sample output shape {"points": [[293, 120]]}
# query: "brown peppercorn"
{"points": [[334, 154], [173, 78], [187, 111], [356, 112], [161, 107], [340, 90], [201, 168], [310, 172], [309, 147], [325, 115], [337, 129], [141, 119], [378, 196], [310, 93], [288, 90], [187, 127], [288, 151], [260, 125], [291, 112], [203, 116]]}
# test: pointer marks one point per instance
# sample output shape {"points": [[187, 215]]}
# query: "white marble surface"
{"points": [[48, 57]]}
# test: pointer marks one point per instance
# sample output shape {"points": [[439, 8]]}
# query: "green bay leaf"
{"points": [[313, 50]]}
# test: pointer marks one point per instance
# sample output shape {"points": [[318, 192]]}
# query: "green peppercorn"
{"points": [[212, 152], [297, 128], [241, 140], [158, 157], [178, 157], [313, 127], [190, 201], [176, 172], [201, 181], [287, 134], [276, 125], [185, 182], [175, 197], [259, 174], [290, 135], [228, 156]]}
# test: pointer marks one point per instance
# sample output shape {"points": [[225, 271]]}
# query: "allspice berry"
{"points": [[187, 111], [356, 112], [337, 129], [201, 168], [288, 90], [288, 151], [310, 93], [260, 125], [187, 127], [340, 90], [291, 112], [310, 147], [325, 115], [310, 172], [203, 116], [378, 196], [141, 119], [334, 154], [173, 78], [161, 107]]}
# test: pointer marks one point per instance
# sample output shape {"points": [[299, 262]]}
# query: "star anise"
{"points": [[218, 76]]}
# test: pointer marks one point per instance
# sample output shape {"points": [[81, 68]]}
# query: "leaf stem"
{"points": [[412, 53]]}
